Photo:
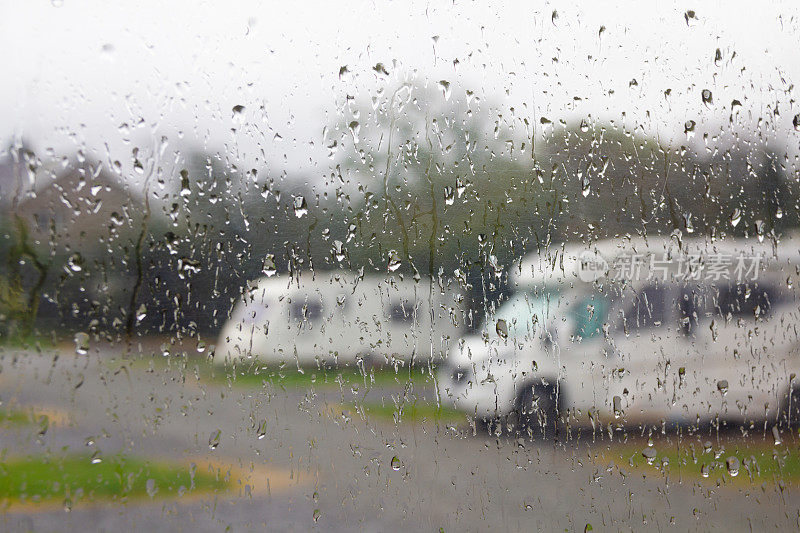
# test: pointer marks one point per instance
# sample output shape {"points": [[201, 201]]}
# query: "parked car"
{"points": [[701, 332], [340, 318]]}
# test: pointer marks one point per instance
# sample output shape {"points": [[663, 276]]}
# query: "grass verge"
{"points": [[746, 460], [321, 377], [76, 478], [418, 412]]}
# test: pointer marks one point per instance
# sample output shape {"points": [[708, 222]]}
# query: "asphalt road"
{"points": [[316, 468]]}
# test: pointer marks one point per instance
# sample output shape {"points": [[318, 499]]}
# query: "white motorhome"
{"points": [[338, 318], [638, 331]]}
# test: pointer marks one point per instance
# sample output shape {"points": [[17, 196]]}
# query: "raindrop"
{"points": [[75, 262], [237, 110], [269, 265], [141, 313], [338, 250], [213, 440], [185, 190], [449, 195], [617, 401], [554, 17], [760, 227], [649, 454], [151, 488], [300, 206], [395, 463], [691, 17], [81, 343], [736, 216], [722, 386], [796, 122], [502, 328], [708, 99], [261, 430], [586, 186], [317, 514], [704, 470], [394, 261], [445, 86], [776, 435], [688, 128], [355, 127], [732, 463]]}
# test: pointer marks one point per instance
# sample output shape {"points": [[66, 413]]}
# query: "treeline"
{"points": [[422, 182]]}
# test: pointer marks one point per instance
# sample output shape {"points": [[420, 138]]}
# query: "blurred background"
{"points": [[155, 161]]}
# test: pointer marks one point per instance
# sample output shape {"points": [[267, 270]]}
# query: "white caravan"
{"points": [[638, 331], [339, 318]]}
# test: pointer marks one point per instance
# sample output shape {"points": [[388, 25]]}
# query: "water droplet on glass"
{"points": [[213, 440], [502, 328], [617, 403], [732, 463], [586, 186], [796, 122], [75, 262], [449, 195], [736, 216], [722, 386], [691, 17], [688, 128], [261, 430], [776, 435], [649, 454], [151, 488], [445, 86], [355, 127], [82, 343], [269, 265], [300, 206], [704, 470], [394, 261], [395, 463], [707, 97], [317, 514]]}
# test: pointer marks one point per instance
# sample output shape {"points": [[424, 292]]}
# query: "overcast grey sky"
{"points": [[96, 74]]}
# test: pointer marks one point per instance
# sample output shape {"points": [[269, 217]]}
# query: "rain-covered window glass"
{"points": [[399, 266], [647, 309]]}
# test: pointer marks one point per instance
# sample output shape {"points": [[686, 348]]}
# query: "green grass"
{"points": [[321, 377], [16, 417], [416, 412], [73, 478], [758, 462]]}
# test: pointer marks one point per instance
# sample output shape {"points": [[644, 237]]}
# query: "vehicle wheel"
{"points": [[537, 410]]}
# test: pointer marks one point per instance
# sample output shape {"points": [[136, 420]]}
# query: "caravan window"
{"points": [[306, 311], [647, 310], [747, 300], [588, 315], [401, 312]]}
